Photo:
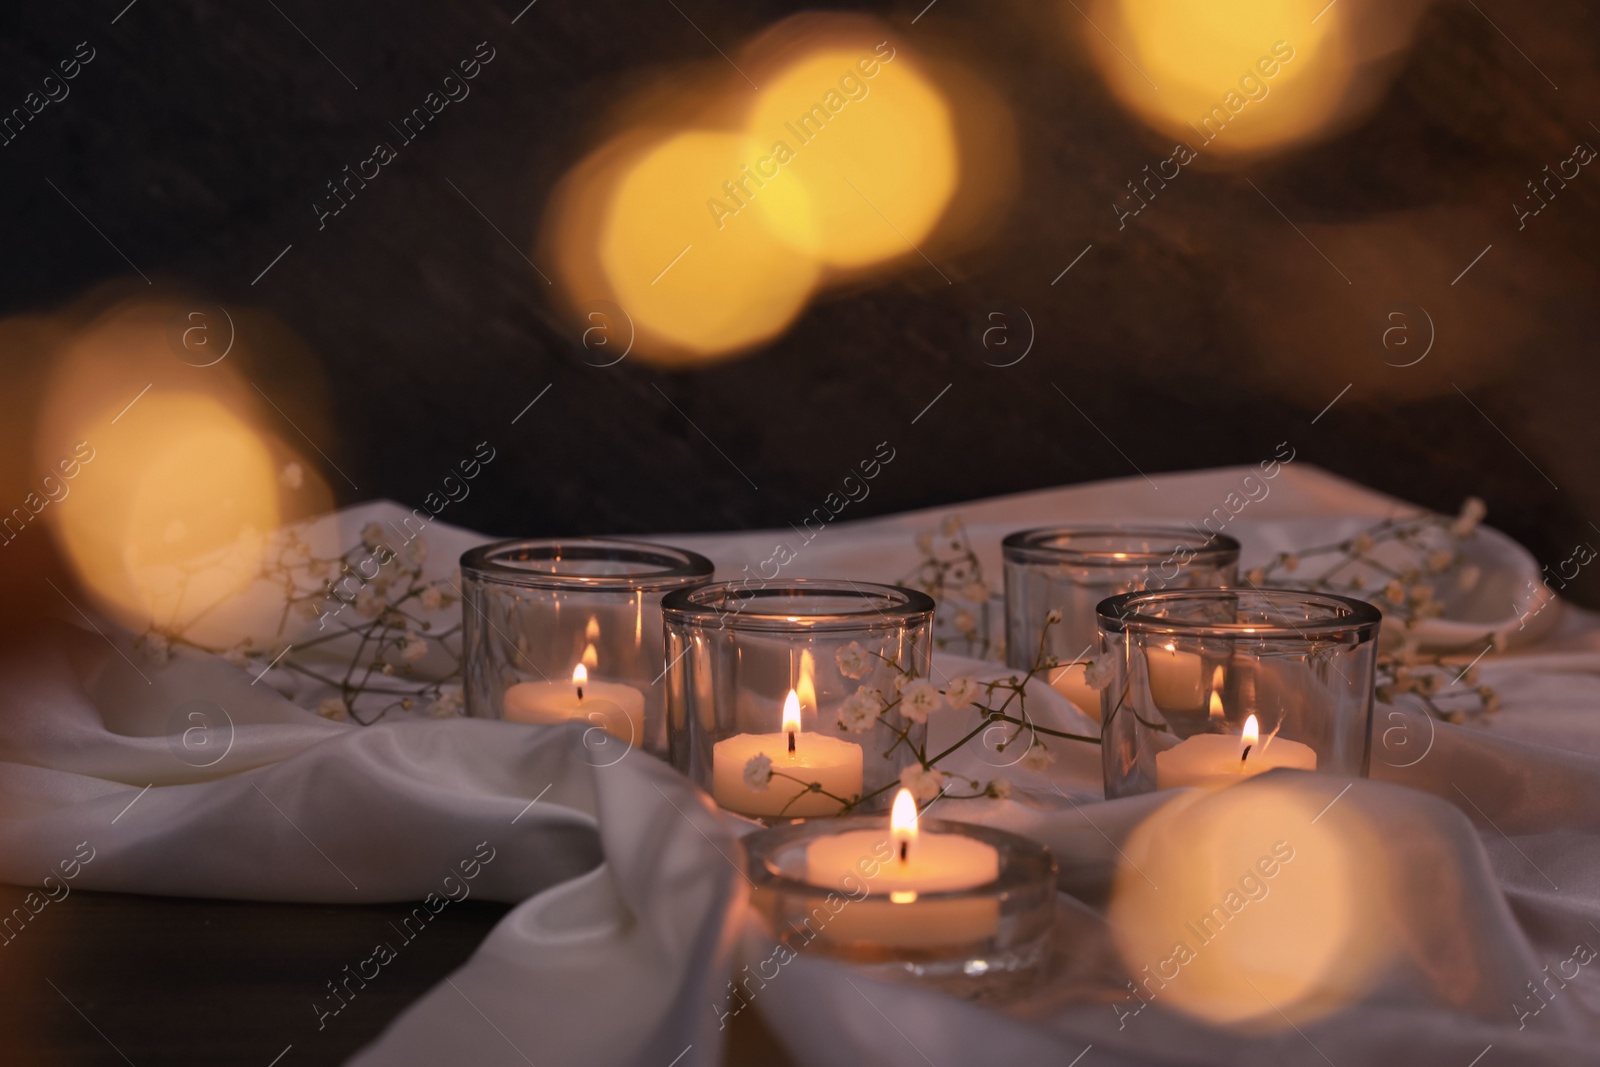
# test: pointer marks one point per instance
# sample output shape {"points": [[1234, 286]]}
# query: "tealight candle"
{"points": [[896, 868], [616, 707], [798, 759], [1072, 682], [1214, 760], [1177, 679]]}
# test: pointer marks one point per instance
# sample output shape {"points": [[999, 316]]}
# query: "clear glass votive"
{"points": [[988, 942], [566, 629], [737, 651], [1072, 569], [1212, 686]]}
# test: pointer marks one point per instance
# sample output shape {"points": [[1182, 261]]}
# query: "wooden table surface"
{"points": [[115, 979]]}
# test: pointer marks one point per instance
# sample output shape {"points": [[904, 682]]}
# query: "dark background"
{"points": [[1203, 334]]}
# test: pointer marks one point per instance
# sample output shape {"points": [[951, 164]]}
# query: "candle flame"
{"points": [[791, 713], [592, 631], [806, 686], [590, 657], [903, 896], [1216, 694], [903, 822], [1252, 734], [1170, 647], [580, 674]]}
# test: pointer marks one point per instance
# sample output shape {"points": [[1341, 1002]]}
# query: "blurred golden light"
{"points": [[173, 515], [693, 277], [870, 138], [1228, 77], [1260, 909]]}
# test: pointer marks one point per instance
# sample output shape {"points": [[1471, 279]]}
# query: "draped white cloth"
{"points": [[1480, 859]]}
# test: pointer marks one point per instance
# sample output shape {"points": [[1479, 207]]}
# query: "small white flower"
{"points": [[452, 702], [1052, 616], [951, 525], [925, 784], [367, 604], [1394, 592], [918, 699], [1467, 577], [758, 771], [963, 691], [1440, 561], [964, 622], [414, 649], [415, 551], [999, 788], [1290, 561], [372, 535], [293, 476], [861, 709], [1255, 575], [238, 657], [976, 592], [432, 598], [853, 660], [1362, 543], [333, 708], [1037, 758], [1100, 671], [1473, 511], [1491, 699]]}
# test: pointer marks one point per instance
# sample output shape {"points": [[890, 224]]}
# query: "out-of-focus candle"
{"points": [[897, 867], [798, 759], [1070, 682], [1213, 760], [616, 707], [1177, 679]]}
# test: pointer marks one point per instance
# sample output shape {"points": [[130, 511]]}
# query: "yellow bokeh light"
{"points": [[173, 518], [1228, 77], [1261, 913], [870, 138], [705, 282]]}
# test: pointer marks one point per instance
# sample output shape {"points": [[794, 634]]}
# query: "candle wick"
{"points": [[580, 694], [1245, 755], [791, 742], [904, 845]]}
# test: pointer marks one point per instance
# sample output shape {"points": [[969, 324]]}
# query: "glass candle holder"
{"points": [[1070, 570], [1211, 686], [823, 885], [782, 698], [570, 629]]}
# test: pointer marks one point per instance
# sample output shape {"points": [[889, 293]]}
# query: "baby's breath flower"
{"points": [[975, 591], [414, 649], [861, 709], [1440, 561], [924, 783], [1362, 543], [1053, 616], [1000, 788], [758, 771], [964, 622], [918, 699], [1101, 669], [853, 660], [1255, 575], [1395, 592], [333, 708], [963, 691]]}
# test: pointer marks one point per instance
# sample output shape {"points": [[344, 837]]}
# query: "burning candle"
{"points": [[798, 760], [618, 708], [1215, 760], [898, 869]]}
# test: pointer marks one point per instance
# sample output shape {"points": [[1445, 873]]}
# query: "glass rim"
{"points": [[708, 605], [1121, 614], [658, 566], [1027, 546]]}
